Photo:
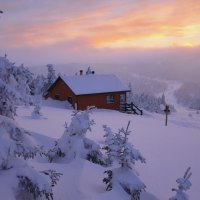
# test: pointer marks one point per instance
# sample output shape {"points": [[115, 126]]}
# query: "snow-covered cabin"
{"points": [[101, 91]]}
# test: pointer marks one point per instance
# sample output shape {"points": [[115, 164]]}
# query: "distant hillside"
{"points": [[177, 64]]}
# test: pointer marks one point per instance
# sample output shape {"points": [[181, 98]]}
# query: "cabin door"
{"points": [[69, 99]]}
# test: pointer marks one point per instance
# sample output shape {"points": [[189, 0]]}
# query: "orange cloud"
{"points": [[144, 25], [161, 25]]}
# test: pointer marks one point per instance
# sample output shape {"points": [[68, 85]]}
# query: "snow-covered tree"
{"points": [[17, 78], [146, 101], [38, 85], [24, 79], [16, 146], [112, 144], [130, 94], [128, 154], [162, 99], [7, 101], [48, 81], [74, 144], [151, 103], [184, 184], [51, 76], [119, 149]]}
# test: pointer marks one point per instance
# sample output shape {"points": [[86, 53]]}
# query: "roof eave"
{"points": [[101, 92]]}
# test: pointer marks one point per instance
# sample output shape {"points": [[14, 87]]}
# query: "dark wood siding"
{"points": [[99, 101], [63, 91]]}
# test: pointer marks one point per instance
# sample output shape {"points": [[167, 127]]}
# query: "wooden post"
{"points": [[167, 111], [166, 118]]}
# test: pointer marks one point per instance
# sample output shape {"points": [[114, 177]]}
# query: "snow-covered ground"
{"points": [[168, 150]]}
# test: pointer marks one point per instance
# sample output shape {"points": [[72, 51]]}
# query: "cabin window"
{"points": [[57, 96], [110, 99]]}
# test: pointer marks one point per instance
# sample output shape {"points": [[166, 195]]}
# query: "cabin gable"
{"points": [[61, 91]]}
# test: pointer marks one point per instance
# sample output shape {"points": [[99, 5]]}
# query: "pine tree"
{"points": [[128, 154], [119, 149], [112, 145], [184, 184]]}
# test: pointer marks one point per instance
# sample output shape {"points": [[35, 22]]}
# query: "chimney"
{"points": [[81, 72]]}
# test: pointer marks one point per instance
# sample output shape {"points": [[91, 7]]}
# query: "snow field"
{"points": [[168, 150]]}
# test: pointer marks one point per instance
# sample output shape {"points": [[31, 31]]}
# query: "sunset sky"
{"points": [[73, 30]]}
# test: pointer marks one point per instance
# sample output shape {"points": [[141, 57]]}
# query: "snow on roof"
{"points": [[94, 83]]}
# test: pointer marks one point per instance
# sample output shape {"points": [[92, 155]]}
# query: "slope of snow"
{"points": [[168, 150]]}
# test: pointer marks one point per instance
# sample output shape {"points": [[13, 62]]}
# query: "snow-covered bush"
{"points": [[125, 178], [184, 184], [74, 144], [15, 142], [93, 152], [37, 110], [16, 146], [33, 184], [119, 149]]}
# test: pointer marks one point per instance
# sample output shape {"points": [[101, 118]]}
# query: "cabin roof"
{"points": [[94, 83]]}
